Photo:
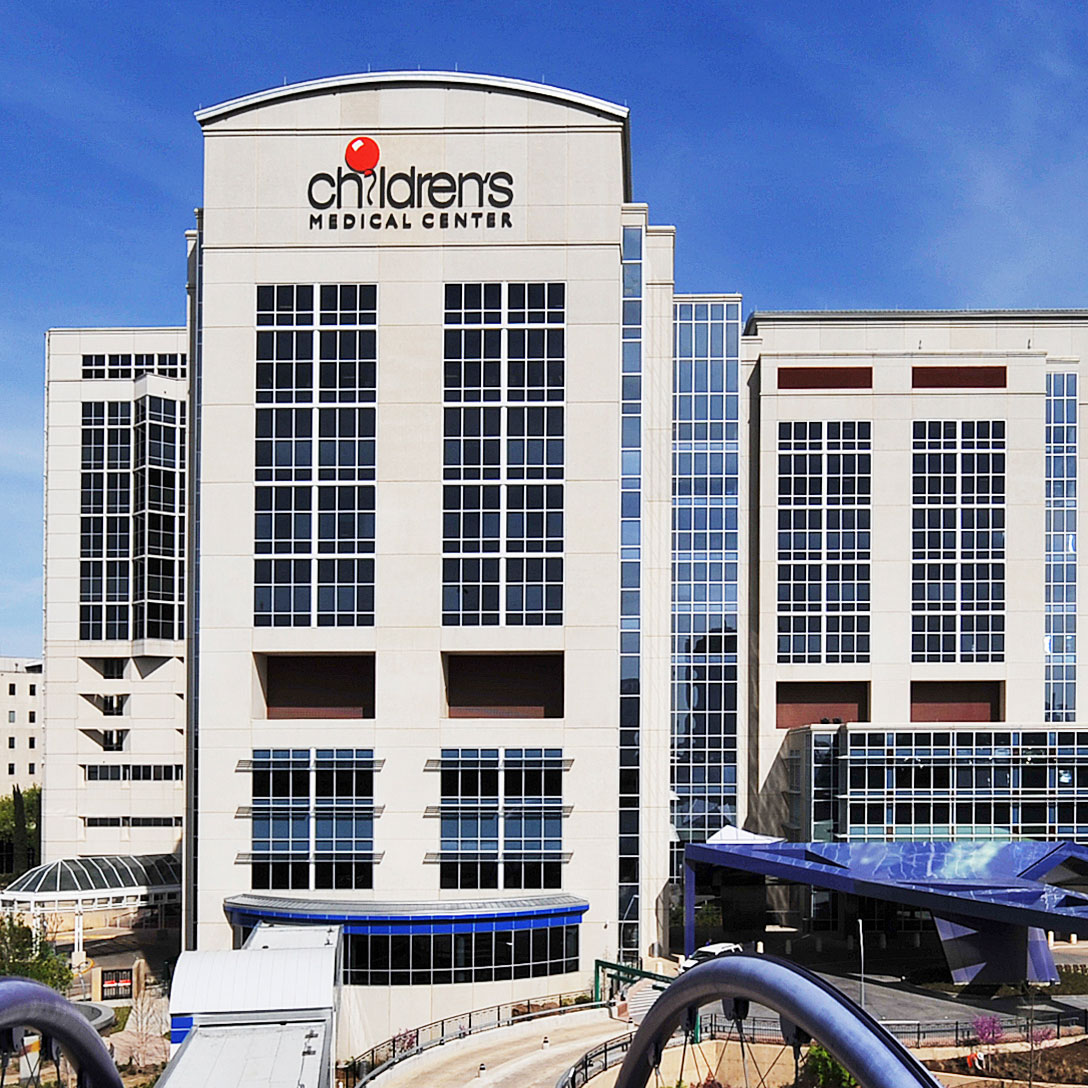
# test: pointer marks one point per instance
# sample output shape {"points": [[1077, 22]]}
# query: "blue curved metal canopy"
{"points": [[444, 916], [1017, 883]]}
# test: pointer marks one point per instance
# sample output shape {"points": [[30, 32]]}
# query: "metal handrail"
{"points": [[623, 973], [408, 1043], [603, 1056]]}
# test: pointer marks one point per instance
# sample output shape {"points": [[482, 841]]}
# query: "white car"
{"points": [[708, 952]]}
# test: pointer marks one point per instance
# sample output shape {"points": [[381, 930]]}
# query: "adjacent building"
{"points": [[21, 707], [917, 575], [448, 571], [115, 524]]}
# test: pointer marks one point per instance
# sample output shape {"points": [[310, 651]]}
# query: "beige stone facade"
{"points": [[21, 708]]}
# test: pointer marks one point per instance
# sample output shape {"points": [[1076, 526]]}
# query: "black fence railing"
{"points": [[1010, 1029], [601, 1057], [918, 1033], [413, 1041]]}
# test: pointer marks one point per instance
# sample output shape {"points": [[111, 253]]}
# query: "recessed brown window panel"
{"points": [[956, 701], [319, 685], [497, 712], [504, 685], [958, 377], [825, 377], [810, 702]]}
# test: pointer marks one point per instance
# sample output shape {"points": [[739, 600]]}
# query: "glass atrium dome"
{"points": [[91, 882]]}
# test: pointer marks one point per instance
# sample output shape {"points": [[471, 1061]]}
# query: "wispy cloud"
{"points": [[970, 122], [87, 108]]}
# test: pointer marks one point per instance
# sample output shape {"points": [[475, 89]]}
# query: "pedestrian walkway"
{"points": [[514, 1057]]}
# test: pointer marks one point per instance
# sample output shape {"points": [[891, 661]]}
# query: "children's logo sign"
{"points": [[363, 195], [362, 155]]}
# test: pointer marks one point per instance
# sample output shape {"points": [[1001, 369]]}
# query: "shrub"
{"points": [[1072, 979], [405, 1039], [988, 1029], [821, 1070], [1042, 1034]]}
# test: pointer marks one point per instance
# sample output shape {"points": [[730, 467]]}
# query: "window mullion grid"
{"points": [[358, 480], [504, 450], [562, 553], [630, 792], [315, 511], [136, 501], [311, 806], [1059, 693], [695, 610], [315, 497], [960, 508], [825, 510], [274, 322]]}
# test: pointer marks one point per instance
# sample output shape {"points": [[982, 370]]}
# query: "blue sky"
{"points": [[839, 155]]}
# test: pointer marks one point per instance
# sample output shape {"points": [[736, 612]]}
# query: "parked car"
{"points": [[709, 952]]}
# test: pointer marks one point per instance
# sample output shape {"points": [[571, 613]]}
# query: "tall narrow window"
{"points": [[502, 539], [629, 785], [314, 457], [958, 574], [705, 580], [1061, 548], [824, 517]]}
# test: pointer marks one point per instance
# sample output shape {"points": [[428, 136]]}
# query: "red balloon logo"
{"points": [[362, 155]]}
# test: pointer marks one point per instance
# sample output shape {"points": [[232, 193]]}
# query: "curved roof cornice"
{"points": [[379, 79]]}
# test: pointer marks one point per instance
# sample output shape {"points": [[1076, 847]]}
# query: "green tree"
{"points": [[31, 800], [22, 955], [32, 803], [820, 1070], [19, 838]]}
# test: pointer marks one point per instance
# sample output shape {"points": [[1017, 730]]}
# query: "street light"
{"points": [[861, 947]]}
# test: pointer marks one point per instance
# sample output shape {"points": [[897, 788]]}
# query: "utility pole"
{"points": [[1031, 1036]]}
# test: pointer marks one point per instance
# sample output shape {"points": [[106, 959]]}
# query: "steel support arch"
{"points": [[25, 1003], [870, 1053]]}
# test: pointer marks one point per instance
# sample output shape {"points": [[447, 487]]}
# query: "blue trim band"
{"points": [[180, 1026]]}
